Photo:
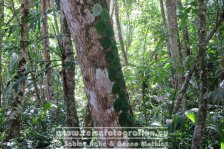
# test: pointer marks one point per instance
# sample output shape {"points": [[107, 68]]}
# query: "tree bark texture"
{"points": [[99, 62], [68, 71], [203, 104], [47, 58], [14, 119]]}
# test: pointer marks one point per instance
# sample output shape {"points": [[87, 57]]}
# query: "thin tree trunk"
{"points": [[14, 119], [174, 44], [130, 32], [112, 10], [88, 122], [174, 40], [183, 90], [124, 54], [186, 40], [47, 58], [185, 52], [165, 26], [38, 98], [203, 104], [100, 65], [186, 82], [1, 42], [185, 33], [216, 27], [68, 71]]}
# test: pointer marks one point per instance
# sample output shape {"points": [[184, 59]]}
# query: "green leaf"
{"points": [[46, 106], [35, 120], [11, 29], [222, 142], [97, 9], [191, 115], [44, 109]]}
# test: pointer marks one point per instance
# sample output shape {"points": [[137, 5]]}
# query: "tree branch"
{"points": [[184, 89], [217, 25]]}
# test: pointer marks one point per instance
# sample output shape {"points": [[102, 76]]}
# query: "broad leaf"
{"points": [[191, 115]]}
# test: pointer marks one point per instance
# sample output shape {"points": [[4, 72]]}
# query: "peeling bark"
{"points": [[47, 57], [203, 104], [14, 119], [92, 53], [68, 71]]}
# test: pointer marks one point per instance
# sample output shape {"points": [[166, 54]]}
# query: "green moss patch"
{"points": [[105, 29]]}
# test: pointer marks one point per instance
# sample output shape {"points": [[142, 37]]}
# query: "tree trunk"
{"points": [[186, 52], [183, 90], [186, 45], [34, 80], [174, 43], [130, 32], [1, 49], [184, 19], [120, 33], [68, 71], [1, 42], [14, 119], [174, 40], [181, 100], [165, 26], [47, 58], [203, 104], [99, 62]]}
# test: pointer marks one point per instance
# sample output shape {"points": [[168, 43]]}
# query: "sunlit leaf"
{"points": [[191, 115]]}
